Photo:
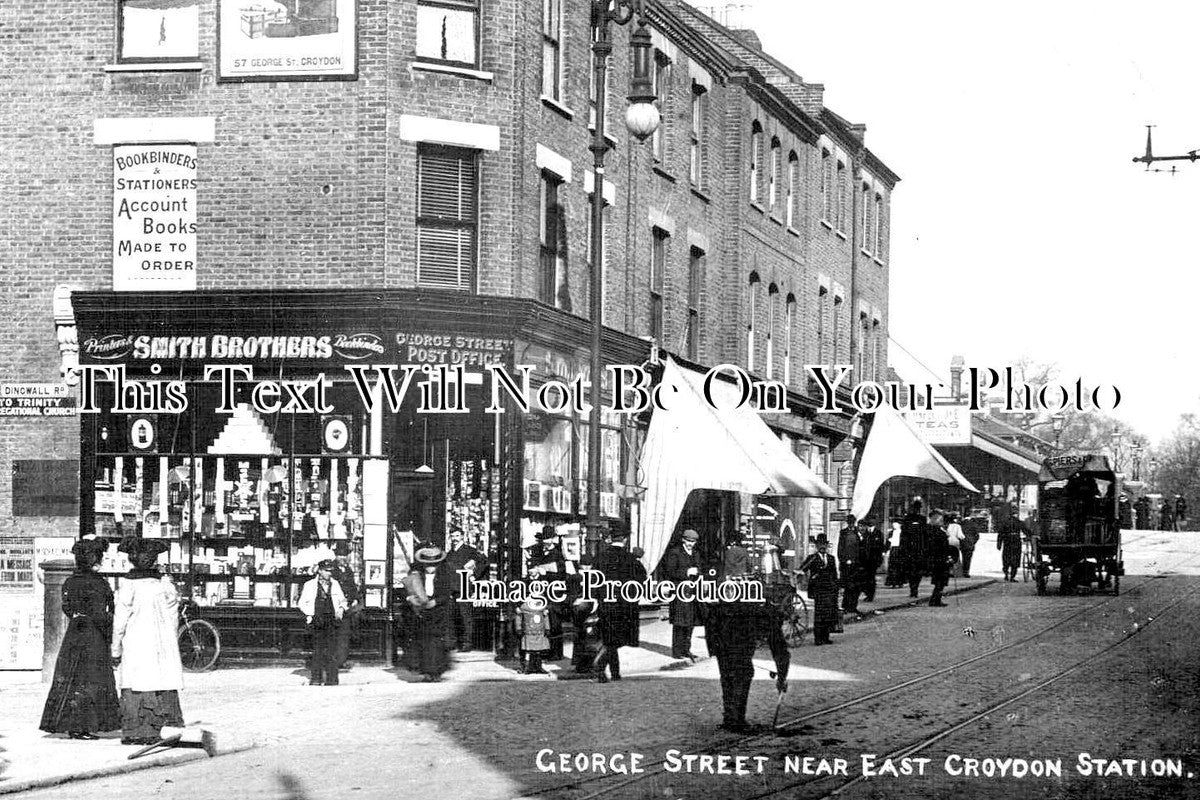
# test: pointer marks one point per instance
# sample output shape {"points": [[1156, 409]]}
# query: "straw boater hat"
{"points": [[429, 555]]}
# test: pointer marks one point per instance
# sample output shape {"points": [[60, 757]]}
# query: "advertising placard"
{"points": [[154, 217], [942, 424], [263, 40]]}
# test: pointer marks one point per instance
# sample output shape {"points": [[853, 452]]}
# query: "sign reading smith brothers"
{"points": [[154, 217]]}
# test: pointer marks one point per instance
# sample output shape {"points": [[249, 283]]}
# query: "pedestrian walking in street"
{"points": [[1009, 534], [1166, 515], [872, 548], [324, 606], [1180, 512], [682, 565], [822, 589], [941, 558], [736, 561], [533, 626], [83, 696], [897, 571], [462, 557], [848, 564], [914, 538], [1125, 512], [547, 562], [966, 548], [733, 632], [344, 575], [428, 595], [144, 646], [620, 625], [954, 535], [1142, 507]]}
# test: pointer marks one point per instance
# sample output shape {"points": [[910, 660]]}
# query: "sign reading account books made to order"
{"points": [[154, 217]]}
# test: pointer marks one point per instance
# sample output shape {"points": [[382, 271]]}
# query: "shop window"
{"points": [[448, 32], [554, 287], [447, 217], [662, 93], [695, 273], [552, 67], [756, 135], [240, 497], [699, 132], [150, 31], [548, 465]]}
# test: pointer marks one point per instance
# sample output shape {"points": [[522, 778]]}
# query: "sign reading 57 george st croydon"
{"points": [[154, 217]]}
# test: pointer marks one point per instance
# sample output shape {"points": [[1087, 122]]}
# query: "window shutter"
{"points": [[447, 211]]}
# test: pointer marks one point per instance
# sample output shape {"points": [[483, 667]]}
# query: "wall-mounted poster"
{"points": [[265, 40]]}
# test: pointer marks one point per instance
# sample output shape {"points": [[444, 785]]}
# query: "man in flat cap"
{"points": [[682, 565], [323, 604]]}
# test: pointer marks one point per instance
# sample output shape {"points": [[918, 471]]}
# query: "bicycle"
{"points": [[790, 600], [199, 640]]}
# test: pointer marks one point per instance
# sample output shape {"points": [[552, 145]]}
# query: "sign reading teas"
{"points": [[942, 424], [154, 217]]}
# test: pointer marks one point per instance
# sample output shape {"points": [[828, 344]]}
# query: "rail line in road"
{"points": [[656, 768]]}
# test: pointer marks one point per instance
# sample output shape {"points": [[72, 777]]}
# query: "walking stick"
{"points": [[778, 705]]}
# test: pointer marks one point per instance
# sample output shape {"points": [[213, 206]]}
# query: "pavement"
{"points": [[249, 706]]}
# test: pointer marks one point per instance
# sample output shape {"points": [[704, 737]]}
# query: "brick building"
{"points": [[375, 177]]}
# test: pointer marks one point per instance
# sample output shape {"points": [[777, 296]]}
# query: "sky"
{"points": [[1021, 227]]}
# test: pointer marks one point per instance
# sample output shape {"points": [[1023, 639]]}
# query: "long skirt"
{"points": [[83, 696], [143, 714], [897, 569], [431, 653]]}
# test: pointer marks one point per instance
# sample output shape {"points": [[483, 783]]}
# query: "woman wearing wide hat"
{"points": [[429, 595], [822, 589], [83, 696], [144, 645]]}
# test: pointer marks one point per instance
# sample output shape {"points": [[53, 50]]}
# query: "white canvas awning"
{"points": [[894, 448], [696, 445]]}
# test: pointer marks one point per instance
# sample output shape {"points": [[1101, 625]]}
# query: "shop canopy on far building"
{"points": [[893, 449], [694, 444]]}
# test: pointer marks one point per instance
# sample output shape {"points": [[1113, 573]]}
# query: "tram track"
{"points": [[657, 768]]}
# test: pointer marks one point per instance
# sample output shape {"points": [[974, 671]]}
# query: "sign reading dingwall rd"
{"points": [[154, 217]]}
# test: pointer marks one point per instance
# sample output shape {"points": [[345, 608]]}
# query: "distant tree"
{"points": [[1178, 464]]}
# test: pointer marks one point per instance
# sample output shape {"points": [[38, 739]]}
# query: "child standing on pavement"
{"points": [[533, 626]]}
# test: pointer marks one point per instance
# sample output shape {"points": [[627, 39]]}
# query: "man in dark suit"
{"points": [[914, 547], [546, 562], [462, 556], [871, 551], [941, 557], [682, 565], [619, 623], [822, 589], [733, 631], [848, 564]]}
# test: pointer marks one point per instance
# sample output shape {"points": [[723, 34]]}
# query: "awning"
{"points": [[693, 444], [894, 448]]}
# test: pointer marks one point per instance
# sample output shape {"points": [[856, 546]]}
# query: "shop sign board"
{"points": [[37, 400], [263, 40], [942, 424], [154, 217]]}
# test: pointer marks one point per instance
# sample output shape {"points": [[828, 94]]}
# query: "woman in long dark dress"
{"points": [[83, 696], [428, 594], [822, 589]]}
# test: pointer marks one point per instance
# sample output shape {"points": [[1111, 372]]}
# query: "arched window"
{"points": [[789, 331], [793, 186], [773, 177], [752, 312], [756, 155], [772, 300]]}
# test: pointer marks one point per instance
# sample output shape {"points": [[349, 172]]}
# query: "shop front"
{"points": [[252, 430]]}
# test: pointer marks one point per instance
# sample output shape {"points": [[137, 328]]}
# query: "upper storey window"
{"points": [[151, 31], [448, 32]]}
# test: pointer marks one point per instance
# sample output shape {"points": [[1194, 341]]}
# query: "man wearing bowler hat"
{"points": [[822, 589], [682, 566], [546, 562]]}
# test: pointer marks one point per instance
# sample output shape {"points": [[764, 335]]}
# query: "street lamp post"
{"points": [[1059, 422], [1117, 437], [641, 119]]}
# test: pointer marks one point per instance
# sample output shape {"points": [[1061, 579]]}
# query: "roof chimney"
{"points": [[860, 131], [956, 371]]}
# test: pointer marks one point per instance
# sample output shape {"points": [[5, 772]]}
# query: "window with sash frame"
{"points": [[448, 32], [552, 66], [447, 217]]}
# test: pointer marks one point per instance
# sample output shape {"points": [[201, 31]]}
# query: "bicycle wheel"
{"points": [[199, 645], [795, 626]]}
